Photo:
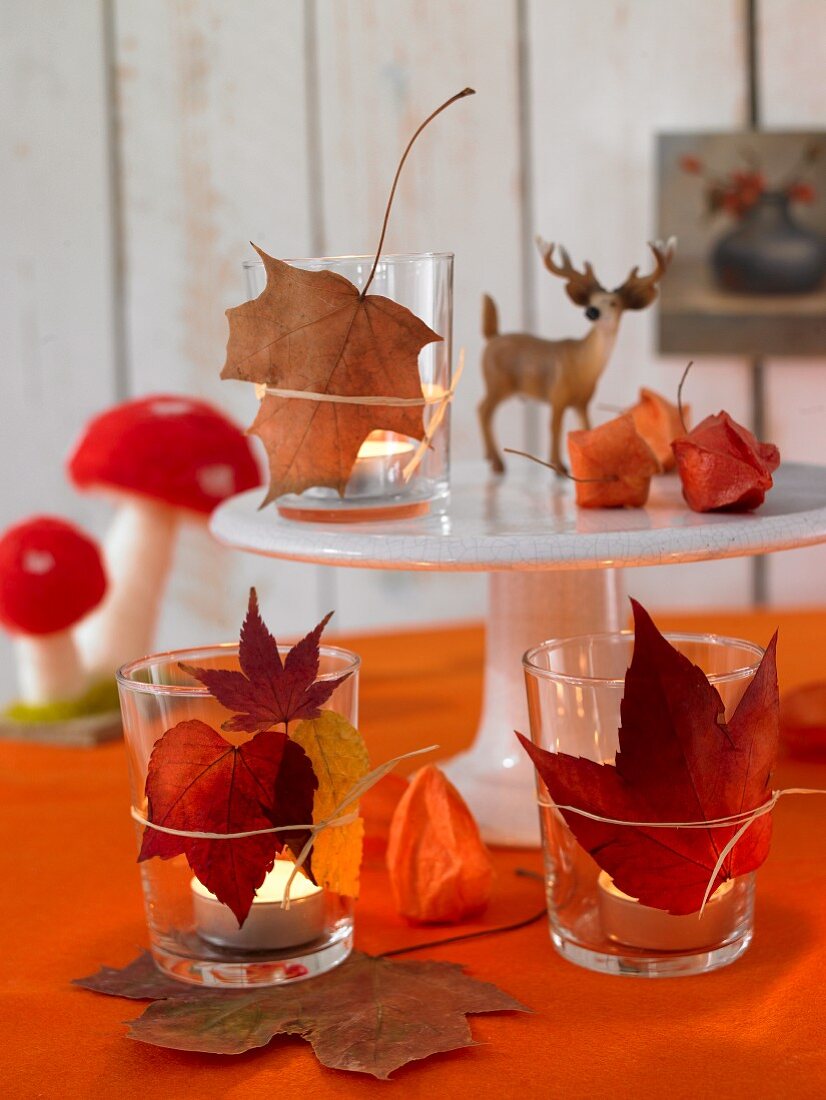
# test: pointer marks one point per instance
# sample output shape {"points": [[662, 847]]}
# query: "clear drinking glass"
{"points": [[424, 284], [574, 688], [192, 935]]}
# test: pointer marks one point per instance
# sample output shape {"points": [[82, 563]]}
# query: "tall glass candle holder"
{"points": [[192, 935], [379, 487], [575, 686]]}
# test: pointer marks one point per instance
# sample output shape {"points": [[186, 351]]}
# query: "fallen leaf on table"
{"points": [[139, 980], [440, 870], [369, 1015], [198, 782], [613, 464], [267, 691], [723, 467], [678, 760], [339, 758], [659, 423]]}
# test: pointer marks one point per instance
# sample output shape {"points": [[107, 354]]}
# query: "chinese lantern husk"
{"points": [[440, 870]]}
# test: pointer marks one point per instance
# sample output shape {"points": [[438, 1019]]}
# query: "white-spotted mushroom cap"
{"points": [[51, 576], [174, 450]]}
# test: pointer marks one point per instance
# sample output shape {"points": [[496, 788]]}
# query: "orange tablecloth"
{"points": [[71, 901]]}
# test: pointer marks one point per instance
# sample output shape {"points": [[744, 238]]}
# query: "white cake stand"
{"points": [[555, 570]]}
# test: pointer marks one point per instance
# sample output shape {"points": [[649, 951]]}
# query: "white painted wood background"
{"points": [[145, 142]]}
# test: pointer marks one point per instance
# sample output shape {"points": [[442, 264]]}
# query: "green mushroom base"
{"points": [[100, 698]]}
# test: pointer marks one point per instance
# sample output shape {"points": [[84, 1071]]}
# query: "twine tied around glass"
{"points": [[744, 819], [336, 819], [441, 401]]}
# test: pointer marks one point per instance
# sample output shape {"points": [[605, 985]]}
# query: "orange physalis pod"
{"points": [[440, 871], [659, 423], [612, 465]]}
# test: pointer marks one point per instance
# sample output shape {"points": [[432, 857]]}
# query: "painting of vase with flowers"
{"points": [[749, 211]]}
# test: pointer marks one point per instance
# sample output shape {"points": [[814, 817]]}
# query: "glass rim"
{"points": [[530, 666], [390, 258], [173, 656]]}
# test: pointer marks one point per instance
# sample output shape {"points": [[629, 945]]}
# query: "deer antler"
{"points": [[580, 285], [639, 291]]}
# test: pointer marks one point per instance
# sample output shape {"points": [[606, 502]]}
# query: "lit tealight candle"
{"points": [[380, 465], [625, 921], [268, 927]]}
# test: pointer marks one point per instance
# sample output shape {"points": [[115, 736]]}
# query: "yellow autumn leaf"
{"points": [[339, 758]]}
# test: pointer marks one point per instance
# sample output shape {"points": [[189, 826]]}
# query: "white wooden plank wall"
{"points": [[383, 68], [213, 132], [792, 37], [281, 122], [605, 79], [57, 306]]}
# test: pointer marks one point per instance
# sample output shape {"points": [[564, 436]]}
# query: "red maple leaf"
{"points": [[198, 782], [268, 692], [679, 760]]}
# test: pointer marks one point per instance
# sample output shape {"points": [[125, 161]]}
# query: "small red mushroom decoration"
{"points": [[164, 458], [723, 467], [440, 871], [51, 576]]}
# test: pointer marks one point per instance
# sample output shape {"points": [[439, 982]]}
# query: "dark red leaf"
{"points": [[258, 650], [723, 468], [267, 692], [678, 761], [198, 782]]}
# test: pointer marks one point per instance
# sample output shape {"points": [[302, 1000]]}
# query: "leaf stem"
{"points": [[680, 396], [481, 932], [427, 121], [543, 912], [559, 469]]}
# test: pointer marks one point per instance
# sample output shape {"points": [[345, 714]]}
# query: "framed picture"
{"points": [[749, 212]]}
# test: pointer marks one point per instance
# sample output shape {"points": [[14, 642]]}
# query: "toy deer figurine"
{"points": [[563, 373]]}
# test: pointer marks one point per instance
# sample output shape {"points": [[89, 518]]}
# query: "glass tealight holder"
{"points": [[378, 487], [575, 686], [193, 936]]}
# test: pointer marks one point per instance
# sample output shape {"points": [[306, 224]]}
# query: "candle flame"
{"points": [[384, 445]]}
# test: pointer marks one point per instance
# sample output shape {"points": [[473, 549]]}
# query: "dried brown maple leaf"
{"points": [[369, 1015], [315, 332], [312, 330]]}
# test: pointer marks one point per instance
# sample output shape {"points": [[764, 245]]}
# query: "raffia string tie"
{"points": [[435, 421], [193, 834], [345, 399], [442, 400], [337, 818], [744, 820]]}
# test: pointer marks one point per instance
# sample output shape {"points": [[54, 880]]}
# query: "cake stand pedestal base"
{"points": [[495, 777]]}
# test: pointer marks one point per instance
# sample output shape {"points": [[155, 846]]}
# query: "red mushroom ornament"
{"points": [[163, 457], [51, 576]]}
